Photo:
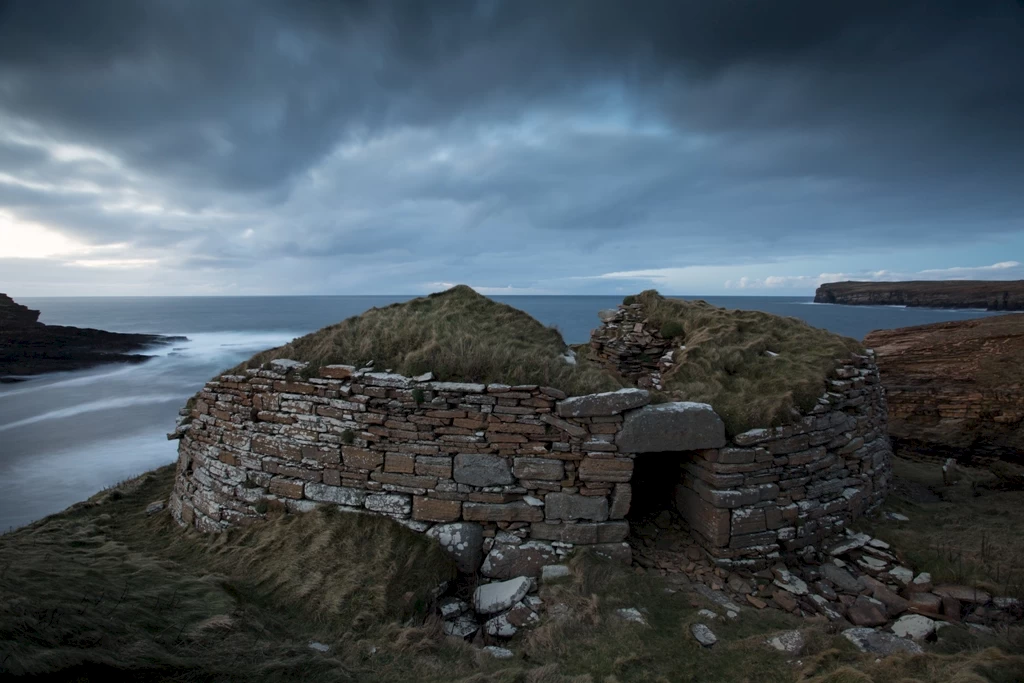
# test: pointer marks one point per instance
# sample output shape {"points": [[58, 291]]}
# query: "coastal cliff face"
{"points": [[991, 295], [955, 388], [28, 347]]}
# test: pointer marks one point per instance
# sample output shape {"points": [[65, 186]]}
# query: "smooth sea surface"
{"points": [[65, 436]]}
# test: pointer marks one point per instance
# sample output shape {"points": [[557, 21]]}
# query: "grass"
{"points": [[103, 591], [458, 335], [725, 360], [968, 532]]}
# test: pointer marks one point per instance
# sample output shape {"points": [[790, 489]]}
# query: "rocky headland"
{"points": [[992, 295], [955, 388], [29, 347]]}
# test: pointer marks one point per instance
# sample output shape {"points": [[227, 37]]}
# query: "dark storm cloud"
{"points": [[697, 124]]}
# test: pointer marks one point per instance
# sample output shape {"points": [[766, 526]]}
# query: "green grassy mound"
{"points": [[458, 335], [727, 362], [104, 592]]}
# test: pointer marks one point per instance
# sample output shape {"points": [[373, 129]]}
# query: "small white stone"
{"points": [[631, 614], [500, 627], [319, 647], [790, 642], [533, 502], [499, 652], [707, 614], [553, 571], [703, 635], [491, 598]]}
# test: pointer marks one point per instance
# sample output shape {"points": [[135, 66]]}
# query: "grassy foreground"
{"points": [[103, 590], [728, 361]]}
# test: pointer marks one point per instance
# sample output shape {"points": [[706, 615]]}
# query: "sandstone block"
{"points": [[439, 466], [568, 506], [678, 426], [609, 403], [501, 512], [482, 469], [286, 488], [435, 510], [393, 504], [710, 522], [606, 469], [361, 458], [545, 469], [621, 499]]}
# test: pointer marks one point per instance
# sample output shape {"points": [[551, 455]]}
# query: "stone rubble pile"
{"points": [[627, 341], [858, 583]]}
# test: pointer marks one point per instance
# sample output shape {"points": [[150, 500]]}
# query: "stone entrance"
{"points": [[655, 478]]}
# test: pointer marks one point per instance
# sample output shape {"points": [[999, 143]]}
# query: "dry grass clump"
{"points": [[458, 335], [726, 360]]}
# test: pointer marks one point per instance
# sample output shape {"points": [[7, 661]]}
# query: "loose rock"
{"points": [[491, 598], [703, 635]]}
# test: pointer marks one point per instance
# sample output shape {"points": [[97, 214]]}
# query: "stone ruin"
{"points": [[509, 479], [522, 474]]}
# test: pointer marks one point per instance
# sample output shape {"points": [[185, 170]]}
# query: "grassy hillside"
{"points": [[458, 335], [103, 591], [728, 361]]}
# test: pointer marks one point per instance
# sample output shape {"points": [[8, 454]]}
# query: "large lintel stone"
{"points": [[608, 403], [678, 426]]}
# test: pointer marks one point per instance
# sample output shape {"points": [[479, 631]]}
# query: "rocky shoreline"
{"points": [[991, 295], [29, 347]]}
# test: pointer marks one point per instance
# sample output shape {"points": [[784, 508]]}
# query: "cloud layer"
{"points": [[340, 147]]}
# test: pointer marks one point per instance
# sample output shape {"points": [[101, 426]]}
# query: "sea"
{"points": [[65, 436]]}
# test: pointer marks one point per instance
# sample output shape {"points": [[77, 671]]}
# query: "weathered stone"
{"points": [[394, 504], [967, 594], [710, 522], [609, 403], [499, 652], [361, 458], [568, 506], [789, 642], [435, 510], [840, 578], [927, 603], [482, 469], [517, 511], [463, 541], [506, 561], [500, 627], [866, 612], [491, 598], [632, 615], [543, 469], [567, 427], [340, 495], [914, 626], [664, 427], [606, 470], [462, 627], [788, 581], [703, 635], [622, 497], [553, 572], [880, 643]]}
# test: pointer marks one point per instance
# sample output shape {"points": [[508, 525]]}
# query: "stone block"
{"points": [[361, 458], [671, 427], [482, 469], [748, 521], [506, 561], [569, 506], [621, 500], [608, 403], [439, 466], [463, 541], [710, 522], [393, 504], [340, 495], [606, 469], [545, 469], [501, 512], [435, 510], [286, 488]]}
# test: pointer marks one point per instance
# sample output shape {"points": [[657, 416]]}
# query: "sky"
{"points": [[240, 147]]}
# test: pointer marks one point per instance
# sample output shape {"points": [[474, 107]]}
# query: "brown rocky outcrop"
{"points": [[28, 347], [955, 388], [993, 295]]}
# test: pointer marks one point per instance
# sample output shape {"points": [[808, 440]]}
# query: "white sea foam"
{"points": [[93, 406]]}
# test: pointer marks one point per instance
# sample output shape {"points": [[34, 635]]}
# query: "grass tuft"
{"points": [[459, 335], [725, 362]]}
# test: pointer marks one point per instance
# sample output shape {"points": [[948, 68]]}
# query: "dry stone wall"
{"points": [[509, 478]]}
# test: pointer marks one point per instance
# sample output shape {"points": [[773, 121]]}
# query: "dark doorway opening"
{"points": [[655, 476]]}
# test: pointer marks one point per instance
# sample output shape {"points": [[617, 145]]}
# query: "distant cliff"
{"points": [[28, 347], [955, 388], [993, 295]]}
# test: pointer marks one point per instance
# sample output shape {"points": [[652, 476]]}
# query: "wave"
{"points": [[93, 406]]}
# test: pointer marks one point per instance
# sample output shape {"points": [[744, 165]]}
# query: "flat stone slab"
{"points": [[914, 626], [789, 642], [879, 642], [677, 426], [463, 541], [491, 598], [608, 403], [506, 561], [703, 635]]}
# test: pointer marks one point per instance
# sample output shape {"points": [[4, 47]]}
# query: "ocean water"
{"points": [[65, 436]]}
